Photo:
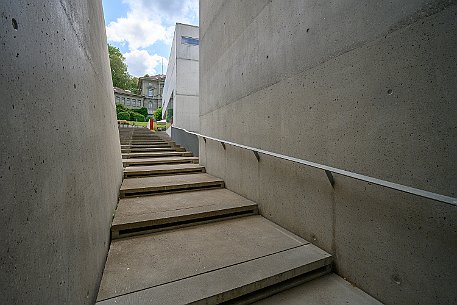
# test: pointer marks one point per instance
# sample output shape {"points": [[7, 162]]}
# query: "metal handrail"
{"points": [[329, 170]]}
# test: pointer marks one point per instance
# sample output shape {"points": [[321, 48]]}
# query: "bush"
{"points": [[143, 111], [157, 114], [134, 116], [123, 116]]}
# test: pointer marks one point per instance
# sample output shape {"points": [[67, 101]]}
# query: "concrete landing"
{"points": [[163, 160], [156, 154], [211, 263], [164, 169], [142, 215], [326, 290], [162, 184]]}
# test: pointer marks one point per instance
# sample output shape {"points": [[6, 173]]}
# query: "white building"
{"points": [[180, 93]]}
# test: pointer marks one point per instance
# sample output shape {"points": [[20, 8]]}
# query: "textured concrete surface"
{"points": [[163, 160], [146, 261], [366, 88], [171, 208], [132, 186], [327, 290], [215, 287], [188, 141], [163, 169], [181, 88], [156, 154], [60, 161]]}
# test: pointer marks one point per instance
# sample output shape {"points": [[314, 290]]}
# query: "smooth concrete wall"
{"points": [[181, 83], [60, 160], [186, 140], [366, 87]]}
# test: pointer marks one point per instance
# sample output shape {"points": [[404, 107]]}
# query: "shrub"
{"points": [[134, 116], [143, 111], [123, 116], [157, 114]]}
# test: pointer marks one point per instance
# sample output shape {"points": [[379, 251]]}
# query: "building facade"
{"points": [[151, 88], [180, 96], [128, 99]]}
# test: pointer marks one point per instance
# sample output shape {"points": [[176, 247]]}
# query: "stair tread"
{"points": [[158, 160], [193, 263], [327, 290], [166, 208], [163, 168], [154, 154], [167, 181]]}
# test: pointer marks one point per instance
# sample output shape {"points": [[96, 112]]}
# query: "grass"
{"points": [[138, 123]]}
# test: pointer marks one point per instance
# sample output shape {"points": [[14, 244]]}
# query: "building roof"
{"points": [[152, 78], [125, 92]]}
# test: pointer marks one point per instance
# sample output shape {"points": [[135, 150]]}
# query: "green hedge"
{"points": [[123, 116], [136, 117]]}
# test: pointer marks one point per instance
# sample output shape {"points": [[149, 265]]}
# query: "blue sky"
{"points": [[143, 30]]}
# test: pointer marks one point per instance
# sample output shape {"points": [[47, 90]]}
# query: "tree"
{"points": [[158, 114], [143, 111], [132, 85], [119, 73]]}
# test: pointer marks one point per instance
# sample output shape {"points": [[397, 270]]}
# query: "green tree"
{"points": [[132, 85], [158, 114], [119, 73], [143, 111]]}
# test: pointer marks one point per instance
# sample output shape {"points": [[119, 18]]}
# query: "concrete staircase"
{"points": [[180, 237]]}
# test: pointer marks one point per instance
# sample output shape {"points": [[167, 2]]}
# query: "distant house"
{"points": [[128, 99], [151, 87]]}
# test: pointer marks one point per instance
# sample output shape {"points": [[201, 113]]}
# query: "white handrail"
{"points": [[328, 170]]}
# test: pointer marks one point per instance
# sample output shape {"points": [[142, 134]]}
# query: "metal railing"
{"points": [[329, 171]]}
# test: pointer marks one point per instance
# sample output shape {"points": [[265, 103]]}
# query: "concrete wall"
{"points": [[366, 87], [186, 140], [60, 160], [182, 79]]}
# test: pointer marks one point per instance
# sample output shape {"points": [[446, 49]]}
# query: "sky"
{"points": [[143, 30]]}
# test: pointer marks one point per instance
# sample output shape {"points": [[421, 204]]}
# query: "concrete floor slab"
{"points": [[163, 169], [139, 263], [327, 290], [155, 212], [163, 160], [150, 185], [156, 154]]}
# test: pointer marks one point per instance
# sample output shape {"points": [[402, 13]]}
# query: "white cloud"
{"points": [[149, 21], [140, 62]]}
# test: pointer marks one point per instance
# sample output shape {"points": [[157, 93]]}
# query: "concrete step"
{"points": [[143, 215], [163, 169], [155, 145], [326, 290], [148, 142], [157, 154], [152, 149], [163, 160], [206, 264], [168, 184]]}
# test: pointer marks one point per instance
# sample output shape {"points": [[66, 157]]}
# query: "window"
{"points": [[128, 102], [133, 102], [190, 40], [150, 105], [150, 91], [118, 99]]}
